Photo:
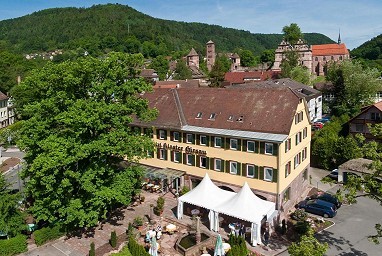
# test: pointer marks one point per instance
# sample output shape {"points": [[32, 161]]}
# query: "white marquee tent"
{"points": [[245, 205], [206, 195]]}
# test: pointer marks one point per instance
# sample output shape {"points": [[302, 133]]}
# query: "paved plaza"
{"points": [[79, 245]]}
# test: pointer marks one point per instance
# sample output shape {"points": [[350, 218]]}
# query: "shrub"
{"points": [[92, 249], [238, 246], [158, 209], [302, 227], [113, 239], [142, 199], [299, 215], [125, 252], [184, 190], [136, 249], [138, 221], [13, 246], [46, 234]]}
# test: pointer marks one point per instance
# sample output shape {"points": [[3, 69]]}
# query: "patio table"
{"points": [[226, 247]]}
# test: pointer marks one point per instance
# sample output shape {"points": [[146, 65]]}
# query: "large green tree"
{"points": [[182, 72], [160, 64], [221, 66], [76, 132], [11, 218], [292, 33], [354, 86]]}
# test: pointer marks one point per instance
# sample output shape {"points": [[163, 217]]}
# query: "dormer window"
{"points": [[199, 115], [230, 118], [212, 116], [240, 119]]}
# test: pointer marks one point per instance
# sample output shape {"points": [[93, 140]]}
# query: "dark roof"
{"points": [[304, 91], [324, 86], [3, 96], [267, 110], [148, 73]]}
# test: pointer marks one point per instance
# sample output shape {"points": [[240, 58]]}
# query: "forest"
{"points": [[113, 27], [370, 53]]}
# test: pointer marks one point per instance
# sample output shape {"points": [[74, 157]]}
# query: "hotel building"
{"points": [[256, 135]]}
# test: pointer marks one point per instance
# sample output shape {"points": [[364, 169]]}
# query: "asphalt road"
{"points": [[353, 224], [12, 176]]}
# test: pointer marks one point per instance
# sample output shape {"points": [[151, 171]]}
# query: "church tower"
{"points": [[210, 54], [339, 37]]}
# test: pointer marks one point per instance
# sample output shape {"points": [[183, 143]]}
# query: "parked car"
{"points": [[328, 198], [334, 174], [317, 125], [319, 207]]}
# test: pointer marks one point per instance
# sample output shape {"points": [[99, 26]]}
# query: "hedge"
{"points": [[13, 246], [46, 234]]}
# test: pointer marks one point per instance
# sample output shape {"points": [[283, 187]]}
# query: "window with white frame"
{"points": [[177, 156], [218, 142], [233, 144], [269, 148], [298, 138], [268, 174], [189, 138], [288, 169], [203, 161], [189, 159], [250, 146], [176, 136], [217, 165], [250, 170], [288, 145], [203, 140], [233, 167], [162, 134]]}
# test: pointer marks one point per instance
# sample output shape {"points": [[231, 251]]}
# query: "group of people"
{"points": [[157, 232], [238, 230]]}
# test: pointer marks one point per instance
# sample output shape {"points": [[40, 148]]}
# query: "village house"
{"points": [[369, 115], [256, 135]]}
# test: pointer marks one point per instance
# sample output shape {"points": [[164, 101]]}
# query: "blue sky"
{"points": [[359, 20]]}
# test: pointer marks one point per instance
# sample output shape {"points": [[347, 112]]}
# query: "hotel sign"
{"points": [[187, 150]]}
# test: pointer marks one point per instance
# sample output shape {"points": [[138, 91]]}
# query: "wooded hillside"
{"points": [[121, 28]]}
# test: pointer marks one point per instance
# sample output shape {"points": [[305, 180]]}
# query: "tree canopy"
{"points": [[75, 132], [11, 218], [292, 33], [221, 66], [354, 86]]}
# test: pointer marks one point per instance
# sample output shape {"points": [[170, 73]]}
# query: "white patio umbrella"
{"points": [[153, 247], [219, 250]]}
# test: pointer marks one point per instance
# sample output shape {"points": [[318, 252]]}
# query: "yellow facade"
{"points": [[278, 162]]}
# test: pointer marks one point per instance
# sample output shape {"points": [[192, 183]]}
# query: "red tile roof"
{"points": [[3, 96], [329, 49], [241, 77], [378, 105], [268, 110]]}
